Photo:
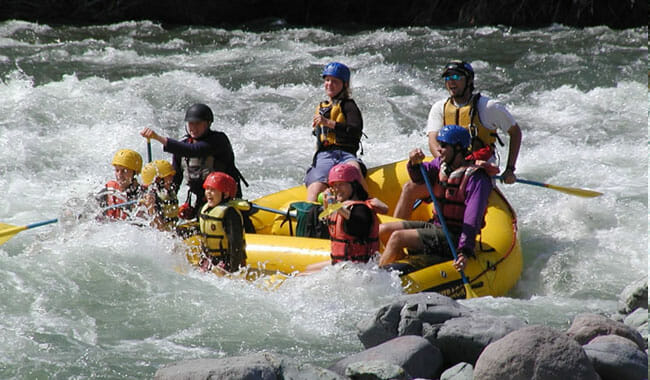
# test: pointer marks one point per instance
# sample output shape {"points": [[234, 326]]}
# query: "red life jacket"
{"points": [[112, 199], [450, 192], [352, 248]]}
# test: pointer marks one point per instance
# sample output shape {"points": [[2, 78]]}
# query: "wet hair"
{"points": [[346, 92], [359, 191]]}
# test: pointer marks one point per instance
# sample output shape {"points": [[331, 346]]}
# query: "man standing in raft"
{"points": [[462, 188], [201, 152], [338, 127], [480, 115]]}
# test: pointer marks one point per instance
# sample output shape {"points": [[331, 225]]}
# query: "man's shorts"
{"points": [[324, 161], [432, 238]]}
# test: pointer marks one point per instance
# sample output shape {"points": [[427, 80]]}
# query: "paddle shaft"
{"points": [[149, 149], [567, 190], [452, 248], [275, 211]]}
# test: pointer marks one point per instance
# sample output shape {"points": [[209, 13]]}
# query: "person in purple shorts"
{"points": [[338, 127], [461, 187]]}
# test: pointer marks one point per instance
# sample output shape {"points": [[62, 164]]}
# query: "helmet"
{"points": [[337, 70], [158, 168], [199, 112], [343, 173], [128, 158], [454, 135], [222, 182], [460, 67]]}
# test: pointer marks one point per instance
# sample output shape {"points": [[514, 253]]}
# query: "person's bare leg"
{"points": [[314, 189], [399, 240], [411, 191], [387, 229]]}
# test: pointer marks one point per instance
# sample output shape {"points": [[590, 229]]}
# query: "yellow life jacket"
{"points": [[218, 242], [467, 117], [326, 137], [166, 207]]}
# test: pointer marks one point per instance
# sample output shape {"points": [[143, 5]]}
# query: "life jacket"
{"points": [[166, 206], [196, 169], [114, 196], [467, 117], [326, 138], [348, 247], [217, 244], [449, 190]]}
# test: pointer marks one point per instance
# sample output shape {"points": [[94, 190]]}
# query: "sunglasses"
{"points": [[452, 77], [442, 144]]}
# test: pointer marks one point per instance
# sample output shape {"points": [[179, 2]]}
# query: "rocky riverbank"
{"points": [[430, 336], [335, 13]]}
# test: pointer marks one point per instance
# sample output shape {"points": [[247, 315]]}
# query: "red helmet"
{"points": [[222, 182], [343, 173]]}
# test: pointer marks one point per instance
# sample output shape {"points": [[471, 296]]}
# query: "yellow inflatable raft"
{"points": [[494, 271]]}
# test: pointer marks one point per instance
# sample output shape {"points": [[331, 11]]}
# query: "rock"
{"points": [[414, 354], [461, 371], [534, 353], [615, 358], [406, 316], [376, 370], [258, 366], [585, 327], [634, 296], [463, 339], [637, 318]]}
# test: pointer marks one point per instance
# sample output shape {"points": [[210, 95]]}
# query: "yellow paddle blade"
{"points": [[7, 231], [330, 210], [575, 191], [469, 293]]}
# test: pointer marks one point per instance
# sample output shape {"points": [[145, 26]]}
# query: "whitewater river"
{"points": [[84, 300]]}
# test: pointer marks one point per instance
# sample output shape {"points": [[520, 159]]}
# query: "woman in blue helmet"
{"points": [[462, 188], [338, 127]]}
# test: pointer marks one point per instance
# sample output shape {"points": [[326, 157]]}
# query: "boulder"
{"points": [[414, 354], [534, 353], [634, 296], [585, 327], [376, 370], [406, 316], [461, 371], [259, 366], [463, 339], [615, 358]]}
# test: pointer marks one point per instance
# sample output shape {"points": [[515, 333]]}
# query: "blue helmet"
{"points": [[461, 67], [337, 70], [454, 135]]}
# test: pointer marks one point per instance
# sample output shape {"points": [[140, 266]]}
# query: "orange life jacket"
{"points": [[352, 248], [113, 199]]}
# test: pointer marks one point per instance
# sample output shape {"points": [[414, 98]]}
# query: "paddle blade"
{"points": [[7, 231], [469, 293], [330, 210], [574, 191]]}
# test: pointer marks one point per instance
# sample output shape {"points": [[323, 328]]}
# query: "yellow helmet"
{"points": [[158, 168], [128, 158]]}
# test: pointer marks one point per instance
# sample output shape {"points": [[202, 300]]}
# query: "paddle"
{"points": [[149, 149], [567, 190], [469, 293], [7, 231], [273, 210], [330, 209]]}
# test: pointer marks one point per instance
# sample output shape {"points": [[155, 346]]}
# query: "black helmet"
{"points": [[461, 67], [199, 112]]}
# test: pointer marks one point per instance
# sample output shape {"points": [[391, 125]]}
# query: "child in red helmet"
{"points": [[221, 224], [353, 227]]}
